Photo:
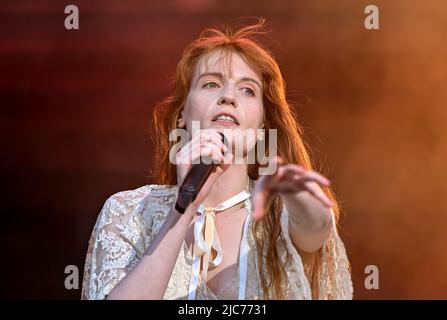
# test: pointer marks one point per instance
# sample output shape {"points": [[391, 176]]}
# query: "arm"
{"points": [[149, 278], [310, 221], [309, 208]]}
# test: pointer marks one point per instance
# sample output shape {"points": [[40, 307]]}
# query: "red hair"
{"points": [[277, 115]]}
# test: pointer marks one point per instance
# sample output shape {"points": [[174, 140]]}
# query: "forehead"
{"points": [[231, 64]]}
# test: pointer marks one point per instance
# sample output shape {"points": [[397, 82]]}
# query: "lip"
{"points": [[229, 114], [226, 124]]}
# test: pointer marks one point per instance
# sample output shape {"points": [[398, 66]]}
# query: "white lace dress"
{"points": [[129, 221]]}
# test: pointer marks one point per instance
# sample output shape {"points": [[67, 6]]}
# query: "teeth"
{"points": [[225, 118]]}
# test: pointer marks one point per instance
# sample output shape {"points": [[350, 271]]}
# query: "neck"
{"points": [[230, 183]]}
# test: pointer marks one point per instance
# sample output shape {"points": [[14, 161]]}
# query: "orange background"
{"points": [[75, 109]]}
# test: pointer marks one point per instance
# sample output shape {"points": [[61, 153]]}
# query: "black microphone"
{"points": [[194, 181]]}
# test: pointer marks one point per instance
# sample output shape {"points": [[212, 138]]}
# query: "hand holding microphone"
{"points": [[196, 180]]}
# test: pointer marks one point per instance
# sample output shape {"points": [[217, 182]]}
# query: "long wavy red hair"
{"points": [[278, 114]]}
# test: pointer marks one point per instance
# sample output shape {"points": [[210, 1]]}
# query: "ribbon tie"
{"points": [[206, 240]]}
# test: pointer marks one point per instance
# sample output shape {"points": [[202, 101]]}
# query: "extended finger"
{"points": [[314, 176], [318, 193], [258, 200]]}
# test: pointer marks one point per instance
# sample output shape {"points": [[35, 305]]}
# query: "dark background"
{"points": [[76, 104]]}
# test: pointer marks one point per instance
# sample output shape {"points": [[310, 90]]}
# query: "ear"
{"points": [[181, 123]]}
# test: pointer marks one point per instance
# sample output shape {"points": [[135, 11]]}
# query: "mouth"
{"points": [[225, 119]]}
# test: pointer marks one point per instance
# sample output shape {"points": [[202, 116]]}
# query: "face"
{"points": [[225, 94]]}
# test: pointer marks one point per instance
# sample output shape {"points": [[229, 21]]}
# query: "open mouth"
{"points": [[225, 118]]}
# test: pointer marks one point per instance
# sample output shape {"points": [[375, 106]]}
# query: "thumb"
{"points": [[259, 200]]}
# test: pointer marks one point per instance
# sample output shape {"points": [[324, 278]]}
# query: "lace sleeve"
{"points": [[298, 285], [334, 269], [333, 280], [116, 244]]}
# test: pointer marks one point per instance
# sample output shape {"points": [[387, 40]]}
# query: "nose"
{"points": [[226, 98]]}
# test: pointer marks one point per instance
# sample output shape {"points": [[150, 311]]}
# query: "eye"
{"points": [[211, 85], [249, 91]]}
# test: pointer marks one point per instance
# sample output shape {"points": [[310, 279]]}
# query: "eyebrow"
{"points": [[220, 76]]}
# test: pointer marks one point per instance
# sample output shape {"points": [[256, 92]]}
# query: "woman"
{"points": [[246, 235]]}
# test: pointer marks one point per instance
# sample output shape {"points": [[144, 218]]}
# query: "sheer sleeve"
{"points": [[334, 269], [116, 244], [333, 277], [298, 285]]}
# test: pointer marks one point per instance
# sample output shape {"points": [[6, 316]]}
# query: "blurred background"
{"points": [[76, 104]]}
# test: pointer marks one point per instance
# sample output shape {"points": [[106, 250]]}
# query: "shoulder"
{"points": [[130, 214], [130, 199], [141, 202]]}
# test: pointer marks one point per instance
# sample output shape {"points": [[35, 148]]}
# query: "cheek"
{"points": [[198, 105], [254, 115], [195, 110]]}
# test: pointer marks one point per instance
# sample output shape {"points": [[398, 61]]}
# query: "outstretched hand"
{"points": [[290, 178]]}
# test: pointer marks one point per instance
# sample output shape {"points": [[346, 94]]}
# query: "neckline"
{"points": [[225, 287], [190, 257]]}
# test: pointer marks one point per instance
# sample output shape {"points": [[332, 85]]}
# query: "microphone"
{"points": [[194, 181]]}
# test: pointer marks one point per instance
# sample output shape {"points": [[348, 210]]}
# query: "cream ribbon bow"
{"points": [[206, 239]]}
